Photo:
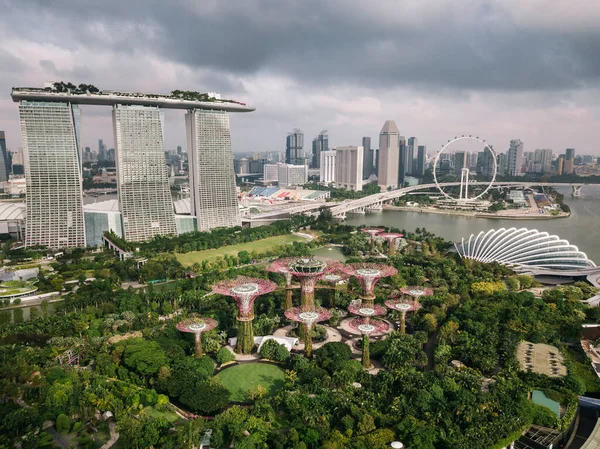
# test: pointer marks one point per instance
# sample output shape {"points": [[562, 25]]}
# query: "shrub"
{"points": [[274, 351], [224, 355], [63, 424]]}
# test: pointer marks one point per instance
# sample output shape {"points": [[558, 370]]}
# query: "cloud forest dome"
{"points": [[527, 247]]}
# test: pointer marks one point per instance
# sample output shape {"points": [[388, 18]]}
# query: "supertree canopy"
{"points": [[366, 327], [403, 306], [308, 319], [245, 290], [372, 232], [197, 326], [417, 292], [390, 237], [333, 279], [367, 312], [307, 270], [368, 274]]}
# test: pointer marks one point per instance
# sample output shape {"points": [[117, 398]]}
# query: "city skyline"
{"points": [[549, 102]]}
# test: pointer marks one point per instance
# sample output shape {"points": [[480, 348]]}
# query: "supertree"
{"points": [[287, 275], [197, 326], [403, 306], [368, 274], [308, 318], [307, 270], [366, 327], [333, 279], [372, 232], [391, 237], [244, 290], [417, 292]]}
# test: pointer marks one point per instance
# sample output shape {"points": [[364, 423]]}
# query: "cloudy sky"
{"points": [[500, 69]]}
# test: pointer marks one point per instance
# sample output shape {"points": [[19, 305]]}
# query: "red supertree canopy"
{"points": [[308, 318], [244, 290], [306, 269], [368, 274], [334, 277], [363, 311], [282, 270], [417, 292], [389, 236], [403, 305], [372, 231], [373, 326], [196, 325]]}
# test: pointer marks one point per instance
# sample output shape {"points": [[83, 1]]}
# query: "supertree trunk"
{"points": [[333, 298], [403, 323], [245, 337], [307, 341], [368, 301], [308, 293], [198, 345], [288, 299], [366, 357]]}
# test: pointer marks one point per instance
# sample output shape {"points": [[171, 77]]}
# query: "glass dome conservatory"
{"points": [[524, 247]]}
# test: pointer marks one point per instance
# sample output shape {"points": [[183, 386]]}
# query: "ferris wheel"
{"points": [[465, 168]]}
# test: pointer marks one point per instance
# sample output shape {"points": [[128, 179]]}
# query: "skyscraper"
{"points": [[294, 144], [143, 182], [569, 154], [389, 141], [319, 144], [403, 165], [515, 158], [327, 169], [53, 174], [348, 167], [412, 149], [368, 158], [212, 179], [4, 162], [421, 160], [543, 158]]}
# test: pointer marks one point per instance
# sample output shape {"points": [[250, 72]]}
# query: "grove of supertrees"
{"points": [[334, 279], [403, 306], [391, 239], [366, 327], [368, 274], [197, 326], [372, 232], [245, 290], [287, 275], [307, 270], [308, 319]]}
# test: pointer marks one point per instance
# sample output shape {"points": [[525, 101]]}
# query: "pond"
{"points": [[331, 252]]}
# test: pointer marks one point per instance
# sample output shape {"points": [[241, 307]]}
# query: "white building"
{"points": [[349, 167], [327, 167], [389, 152], [515, 158], [271, 172], [292, 175], [212, 178], [543, 157], [142, 178], [50, 136]]}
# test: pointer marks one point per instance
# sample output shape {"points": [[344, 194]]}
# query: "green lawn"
{"points": [[152, 412], [260, 246], [241, 378]]}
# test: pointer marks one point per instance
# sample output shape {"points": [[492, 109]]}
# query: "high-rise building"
{"points": [[485, 164], [389, 141], [502, 161], [560, 164], [403, 164], [327, 170], [515, 158], [543, 158], [53, 174], [568, 166], [368, 158], [292, 175], [348, 167], [179, 150], [569, 154], [412, 150], [271, 172], [319, 144], [212, 179], [460, 161], [421, 161], [142, 177], [294, 144], [4, 161]]}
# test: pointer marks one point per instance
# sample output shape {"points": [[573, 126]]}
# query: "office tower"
{"points": [[412, 149], [403, 164], [569, 154], [142, 178], [502, 164], [515, 158], [560, 163], [421, 161], [4, 162], [212, 180], [376, 151], [349, 167], [179, 150], [543, 158], [271, 172], [292, 175], [327, 170], [294, 153], [53, 174], [485, 164], [388, 155], [111, 155], [587, 159], [568, 166], [319, 144], [459, 161], [368, 159]]}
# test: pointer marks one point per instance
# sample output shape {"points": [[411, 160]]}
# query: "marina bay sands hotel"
{"points": [[50, 128]]}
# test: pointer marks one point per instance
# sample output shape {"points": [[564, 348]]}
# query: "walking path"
{"points": [[114, 436]]}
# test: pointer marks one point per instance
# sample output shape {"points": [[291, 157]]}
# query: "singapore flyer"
{"points": [[465, 168]]}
